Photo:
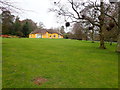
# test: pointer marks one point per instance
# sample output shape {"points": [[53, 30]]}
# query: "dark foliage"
{"points": [[111, 25], [11, 25], [90, 28], [67, 24]]}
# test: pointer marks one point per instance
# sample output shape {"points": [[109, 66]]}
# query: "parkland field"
{"points": [[58, 63]]}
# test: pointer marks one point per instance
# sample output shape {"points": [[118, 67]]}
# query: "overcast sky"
{"points": [[38, 12]]}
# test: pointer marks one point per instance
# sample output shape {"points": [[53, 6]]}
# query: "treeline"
{"points": [[95, 17], [80, 32], [12, 25]]}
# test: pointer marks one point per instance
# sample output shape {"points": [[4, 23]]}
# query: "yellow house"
{"points": [[43, 33]]}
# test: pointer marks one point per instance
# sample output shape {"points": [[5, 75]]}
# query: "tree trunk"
{"points": [[92, 35], [118, 43], [111, 40], [86, 36], [102, 45]]}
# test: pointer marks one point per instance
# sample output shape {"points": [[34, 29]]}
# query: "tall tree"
{"points": [[116, 22], [7, 22], [17, 27], [101, 18], [118, 45], [28, 26], [77, 31], [81, 13], [0, 24], [25, 29], [62, 30], [32, 24], [93, 12]]}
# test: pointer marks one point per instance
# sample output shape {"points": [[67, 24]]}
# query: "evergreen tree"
{"points": [[25, 29], [7, 22], [17, 28]]}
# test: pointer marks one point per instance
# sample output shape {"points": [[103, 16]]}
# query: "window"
{"points": [[59, 36], [54, 36], [30, 36]]}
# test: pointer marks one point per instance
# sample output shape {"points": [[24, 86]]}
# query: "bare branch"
{"points": [[112, 18], [72, 4]]}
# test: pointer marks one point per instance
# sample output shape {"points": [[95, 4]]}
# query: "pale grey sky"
{"points": [[39, 12]]}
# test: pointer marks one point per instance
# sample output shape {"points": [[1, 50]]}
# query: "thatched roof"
{"points": [[43, 31], [52, 31]]}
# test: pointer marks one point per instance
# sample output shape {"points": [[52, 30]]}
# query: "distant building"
{"points": [[44, 33]]}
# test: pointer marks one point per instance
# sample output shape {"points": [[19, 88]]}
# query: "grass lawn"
{"points": [[64, 63], [0, 63]]}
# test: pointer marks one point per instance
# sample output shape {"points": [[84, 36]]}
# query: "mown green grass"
{"points": [[0, 63], [64, 63]]}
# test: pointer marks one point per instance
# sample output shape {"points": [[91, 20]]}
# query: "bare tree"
{"points": [[117, 21], [93, 12], [81, 13], [77, 31], [118, 46], [8, 5]]}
